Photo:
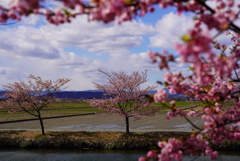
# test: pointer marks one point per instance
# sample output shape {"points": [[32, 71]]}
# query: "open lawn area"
{"points": [[54, 109], [65, 109]]}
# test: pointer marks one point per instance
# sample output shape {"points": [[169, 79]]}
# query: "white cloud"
{"points": [[31, 20], [170, 29], [130, 62], [26, 41], [99, 37], [26, 49], [4, 3], [47, 41], [15, 69]]}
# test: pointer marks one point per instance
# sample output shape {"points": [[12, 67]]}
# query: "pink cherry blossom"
{"points": [[160, 96], [28, 95], [124, 95]]}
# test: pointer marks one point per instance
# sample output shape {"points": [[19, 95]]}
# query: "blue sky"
{"points": [[77, 50]]}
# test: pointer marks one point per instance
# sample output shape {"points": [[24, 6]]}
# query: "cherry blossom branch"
{"points": [[232, 26]]}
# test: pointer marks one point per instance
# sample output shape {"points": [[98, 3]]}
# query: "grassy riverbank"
{"points": [[82, 140], [93, 140]]}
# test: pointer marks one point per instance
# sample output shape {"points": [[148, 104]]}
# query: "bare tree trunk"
{"points": [[41, 123], [127, 126]]}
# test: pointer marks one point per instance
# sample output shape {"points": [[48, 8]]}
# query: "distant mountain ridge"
{"points": [[79, 94], [88, 94]]}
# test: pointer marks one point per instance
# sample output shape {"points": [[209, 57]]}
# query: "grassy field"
{"points": [[54, 109], [64, 109]]}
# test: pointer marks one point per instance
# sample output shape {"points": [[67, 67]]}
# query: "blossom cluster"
{"points": [[160, 96], [124, 10], [221, 123], [29, 95], [174, 149], [214, 80]]}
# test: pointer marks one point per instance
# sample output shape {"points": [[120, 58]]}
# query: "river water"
{"points": [[68, 155]]}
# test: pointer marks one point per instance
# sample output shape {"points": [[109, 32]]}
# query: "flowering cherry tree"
{"points": [[32, 96], [125, 97], [214, 66]]}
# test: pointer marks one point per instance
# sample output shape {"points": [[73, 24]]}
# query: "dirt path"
{"points": [[104, 123]]}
